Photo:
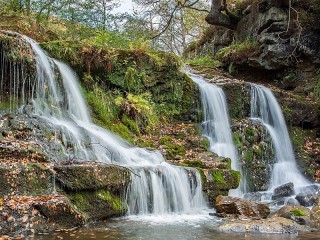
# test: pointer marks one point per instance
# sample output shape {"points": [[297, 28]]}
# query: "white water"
{"points": [[216, 125], [156, 187], [265, 108]]}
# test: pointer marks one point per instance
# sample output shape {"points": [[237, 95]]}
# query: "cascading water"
{"points": [[216, 126], [156, 187], [265, 108]]}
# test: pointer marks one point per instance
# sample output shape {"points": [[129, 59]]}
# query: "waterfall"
{"points": [[266, 109], [216, 125], [156, 187]]}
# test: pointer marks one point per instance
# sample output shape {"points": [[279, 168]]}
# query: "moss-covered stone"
{"points": [[220, 181], [193, 163], [255, 153], [98, 205], [93, 176]]}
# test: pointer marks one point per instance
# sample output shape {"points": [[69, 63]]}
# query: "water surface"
{"points": [[181, 227]]}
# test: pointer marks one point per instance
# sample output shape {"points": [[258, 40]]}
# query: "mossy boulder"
{"points": [[98, 205], [25, 179], [93, 176], [255, 149]]}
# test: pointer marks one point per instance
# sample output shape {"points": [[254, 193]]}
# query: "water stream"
{"points": [[156, 188], [265, 108], [216, 126]]}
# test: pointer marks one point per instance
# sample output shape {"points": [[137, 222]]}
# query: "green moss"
{"points": [[204, 143], [236, 139], [206, 61], [217, 176], [174, 150], [122, 131], [249, 131], [80, 201], [203, 176], [131, 124], [238, 51], [297, 212], [164, 140], [114, 201], [236, 175], [194, 163], [248, 156], [99, 204]]}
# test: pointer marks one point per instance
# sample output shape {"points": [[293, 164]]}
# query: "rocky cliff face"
{"points": [[281, 35], [278, 43]]}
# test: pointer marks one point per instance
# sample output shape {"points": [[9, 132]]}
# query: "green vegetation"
{"points": [[297, 212], [238, 51], [218, 177], [194, 163], [205, 61]]}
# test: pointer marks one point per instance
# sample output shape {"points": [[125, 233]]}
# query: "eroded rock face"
{"points": [[238, 206], [315, 213]]}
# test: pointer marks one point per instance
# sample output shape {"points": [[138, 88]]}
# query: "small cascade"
{"points": [[156, 187], [145, 197], [216, 125], [265, 108], [15, 82]]}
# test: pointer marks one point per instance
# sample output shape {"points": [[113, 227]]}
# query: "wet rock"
{"points": [[92, 176], [306, 199], [299, 214], [219, 182], [98, 205], [315, 213], [238, 206], [275, 225], [292, 201], [255, 153], [308, 195], [284, 190]]}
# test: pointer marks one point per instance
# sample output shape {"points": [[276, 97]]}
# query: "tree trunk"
{"points": [[217, 17]]}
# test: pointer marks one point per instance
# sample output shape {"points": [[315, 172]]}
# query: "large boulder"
{"points": [[299, 214], [92, 176], [238, 206]]}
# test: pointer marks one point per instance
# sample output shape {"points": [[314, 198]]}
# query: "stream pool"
{"points": [[168, 227]]}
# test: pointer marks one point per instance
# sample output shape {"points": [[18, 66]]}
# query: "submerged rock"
{"points": [[275, 225], [308, 195], [238, 206], [306, 199]]}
